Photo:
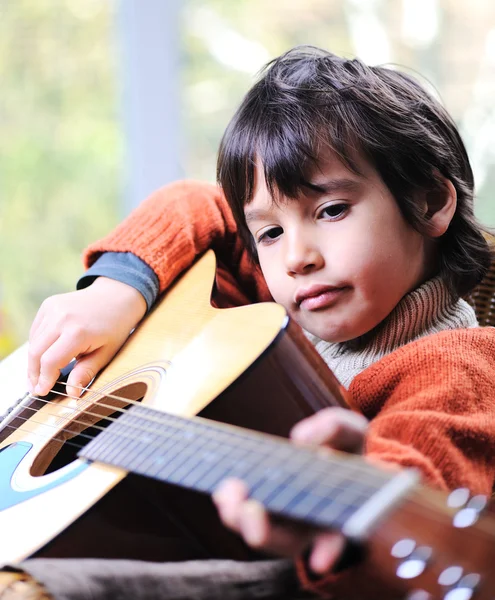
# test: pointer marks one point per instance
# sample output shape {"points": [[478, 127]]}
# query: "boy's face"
{"points": [[338, 260]]}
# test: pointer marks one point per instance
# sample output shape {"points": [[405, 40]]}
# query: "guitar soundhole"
{"points": [[108, 409]]}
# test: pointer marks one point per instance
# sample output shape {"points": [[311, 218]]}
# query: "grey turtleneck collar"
{"points": [[428, 309]]}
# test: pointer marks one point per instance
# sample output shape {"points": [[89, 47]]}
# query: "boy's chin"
{"points": [[320, 333]]}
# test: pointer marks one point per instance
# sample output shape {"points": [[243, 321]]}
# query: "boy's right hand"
{"points": [[89, 325]]}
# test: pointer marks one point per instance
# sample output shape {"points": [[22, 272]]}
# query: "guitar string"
{"points": [[20, 428], [367, 487], [366, 471], [332, 461], [211, 430]]}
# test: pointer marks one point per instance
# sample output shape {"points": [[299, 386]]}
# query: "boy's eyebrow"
{"points": [[255, 215], [342, 184], [333, 185]]}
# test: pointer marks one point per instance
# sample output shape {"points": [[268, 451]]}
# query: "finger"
{"points": [[338, 428], [259, 531], [58, 355], [86, 369], [229, 497], [38, 320], [36, 350], [327, 549]]}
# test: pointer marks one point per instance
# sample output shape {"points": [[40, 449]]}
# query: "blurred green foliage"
{"points": [[60, 149]]}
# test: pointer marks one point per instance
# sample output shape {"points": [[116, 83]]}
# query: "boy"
{"points": [[346, 195]]}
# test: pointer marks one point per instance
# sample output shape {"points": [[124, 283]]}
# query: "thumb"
{"points": [[80, 377], [85, 370]]}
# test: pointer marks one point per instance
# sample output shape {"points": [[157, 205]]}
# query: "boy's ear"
{"points": [[441, 204]]}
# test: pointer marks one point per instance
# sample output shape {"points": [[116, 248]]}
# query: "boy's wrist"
{"points": [[129, 294]]}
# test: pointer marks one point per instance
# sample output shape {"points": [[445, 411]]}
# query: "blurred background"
{"points": [[102, 101]]}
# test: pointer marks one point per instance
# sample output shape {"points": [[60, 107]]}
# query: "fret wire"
{"points": [[147, 460], [251, 446], [231, 462], [330, 484], [140, 463], [288, 472], [111, 452], [290, 501], [337, 469], [255, 445], [339, 520], [326, 483], [297, 499], [340, 469], [269, 490], [172, 470], [302, 502], [178, 455], [122, 430], [257, 477], [302, 479], [348, 495], [301, 508], [166, 449], [209, 446], [283, 496], [279, 501], [332, 511], [215, 476], [143, 438], [307, 476], [237, 468], [317, 509]]}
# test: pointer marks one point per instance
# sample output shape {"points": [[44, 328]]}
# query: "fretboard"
{"points": [[324, 488]]}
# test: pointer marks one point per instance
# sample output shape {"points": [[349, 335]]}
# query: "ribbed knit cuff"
{"points": [[127, 268]]}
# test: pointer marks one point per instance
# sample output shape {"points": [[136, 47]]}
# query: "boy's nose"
{"points": [[302, 256]]}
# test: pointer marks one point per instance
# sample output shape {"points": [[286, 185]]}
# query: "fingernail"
{"points": [[40, 389]]}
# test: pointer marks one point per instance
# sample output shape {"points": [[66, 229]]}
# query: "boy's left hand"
{"points": [[336, 428]]}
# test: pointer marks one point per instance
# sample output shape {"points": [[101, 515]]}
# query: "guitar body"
{"points": [[247, 366]]}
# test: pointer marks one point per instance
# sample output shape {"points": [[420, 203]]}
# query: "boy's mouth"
{"points": [[317, 296]]}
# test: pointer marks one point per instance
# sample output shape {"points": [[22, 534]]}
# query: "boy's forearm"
{"points": [[175, 225]]}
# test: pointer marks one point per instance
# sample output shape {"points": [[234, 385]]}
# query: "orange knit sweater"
{"points": [[431, 402]]}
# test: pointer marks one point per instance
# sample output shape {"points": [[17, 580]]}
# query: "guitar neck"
{"points": [[322, 488]]}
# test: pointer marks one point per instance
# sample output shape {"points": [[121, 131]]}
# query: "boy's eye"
{"points": [[333, 211], [269, 235]]}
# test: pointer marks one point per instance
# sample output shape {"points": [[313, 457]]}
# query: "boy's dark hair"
{"points": [[309, 100]]}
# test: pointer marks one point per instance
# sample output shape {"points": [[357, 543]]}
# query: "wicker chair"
{"points": [[482, 298]]}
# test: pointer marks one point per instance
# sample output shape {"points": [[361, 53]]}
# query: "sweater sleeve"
{"points": [[174, 226], [432, 406]]}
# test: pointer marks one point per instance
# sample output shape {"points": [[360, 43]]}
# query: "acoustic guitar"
{"points": [[197, 394]]}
